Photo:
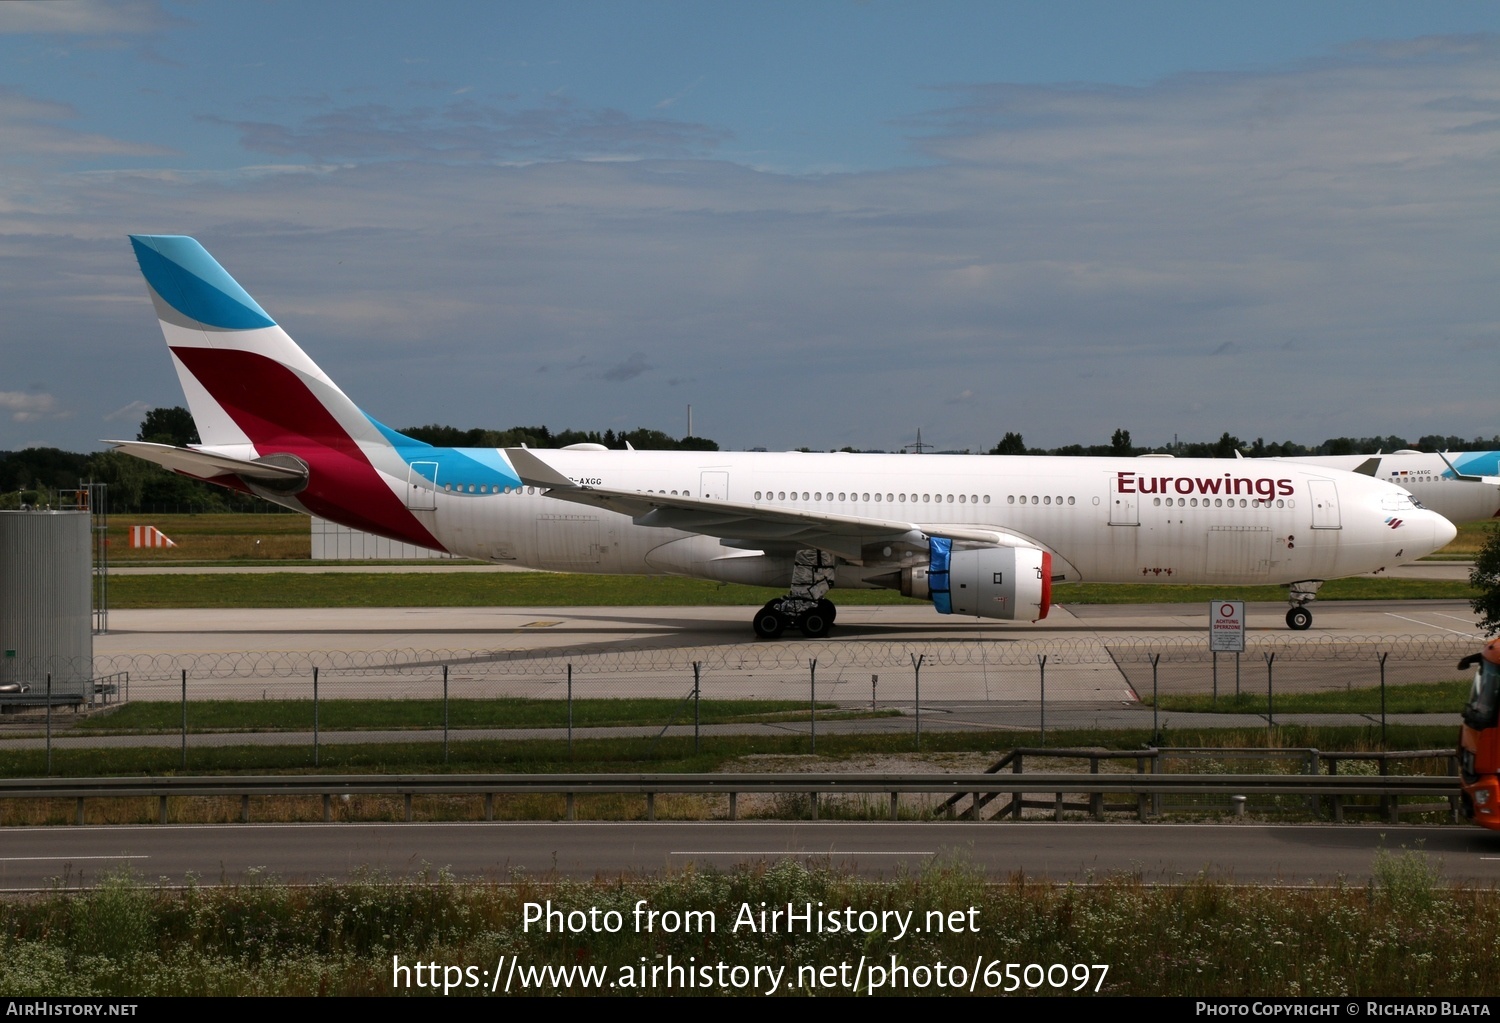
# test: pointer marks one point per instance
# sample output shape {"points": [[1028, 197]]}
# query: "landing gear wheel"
{"points": [[769, 622], [1299, 618], [827, 610], [815, 624]]}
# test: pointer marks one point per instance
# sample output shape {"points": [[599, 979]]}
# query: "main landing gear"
{"points": [[805, 607], [1299, 595], [813, 617]]}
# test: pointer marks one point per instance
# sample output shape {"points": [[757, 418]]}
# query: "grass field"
{"points": [[1406, 935], [213, 539], [516, 712], [543, 589], [1418, 698], [670, 754]]}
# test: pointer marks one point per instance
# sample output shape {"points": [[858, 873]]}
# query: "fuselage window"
{"points": [[1071, 500], [447, 486], [843, 496], [1278, 503], [986, 498], [757, 495], [1010, 499], [1047, 499], [877, 498], [866, 497], [926, 498], [1156, 501], [890, 497], [781, 495]]}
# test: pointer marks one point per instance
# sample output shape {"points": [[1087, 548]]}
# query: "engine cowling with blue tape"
{"points": [[1011, 583]]}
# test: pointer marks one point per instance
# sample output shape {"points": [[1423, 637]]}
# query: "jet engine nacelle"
{"points": [[989, 582]]}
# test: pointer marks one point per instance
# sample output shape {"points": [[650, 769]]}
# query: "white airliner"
{"points": [[1461, 486], [982, 535]]}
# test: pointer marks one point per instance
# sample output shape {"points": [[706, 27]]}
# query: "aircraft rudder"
{"points": [[188, 281]]}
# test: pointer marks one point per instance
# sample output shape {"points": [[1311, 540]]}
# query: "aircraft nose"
{"points": [[1443, 532]]}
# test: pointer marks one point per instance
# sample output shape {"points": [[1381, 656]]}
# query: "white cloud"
{"points": [[82, 17], [1070, 255], [131, 413], [26, 407]]}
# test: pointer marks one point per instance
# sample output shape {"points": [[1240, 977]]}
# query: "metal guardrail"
{"points": [[973, 786]]}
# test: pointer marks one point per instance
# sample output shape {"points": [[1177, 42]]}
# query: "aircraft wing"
{"points": [[206, 464], [845, 535]]}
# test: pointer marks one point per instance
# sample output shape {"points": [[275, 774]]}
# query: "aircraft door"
{"points": [[421, 486], [714, 486], [1124, 509], [1325, 502]]}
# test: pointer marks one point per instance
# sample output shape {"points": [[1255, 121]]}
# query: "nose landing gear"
{"points": [[1299, 595]]}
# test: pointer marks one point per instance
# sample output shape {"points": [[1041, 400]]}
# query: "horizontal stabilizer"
{"points": [[206, 464]]}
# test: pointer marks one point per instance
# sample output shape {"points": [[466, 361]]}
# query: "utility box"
{"points": [[46, 603]]}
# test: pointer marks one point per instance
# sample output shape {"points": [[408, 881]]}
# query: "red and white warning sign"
{"points": [[149, 536], [1226, 626]]}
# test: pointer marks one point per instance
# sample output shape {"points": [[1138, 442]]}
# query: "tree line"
{"points": [[41, 477], [38, 476], [1228, 444]]}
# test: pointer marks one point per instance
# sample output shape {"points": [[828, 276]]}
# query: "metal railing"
{"points": [[1143, 787]]}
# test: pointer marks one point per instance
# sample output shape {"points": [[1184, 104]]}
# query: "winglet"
{"points": [[1491, 480], [536, 473]]}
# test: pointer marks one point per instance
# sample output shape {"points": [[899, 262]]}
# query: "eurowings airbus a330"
{"points": [[984, 535]]}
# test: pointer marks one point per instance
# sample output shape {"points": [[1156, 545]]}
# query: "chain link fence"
{"points": [[321, 696]]}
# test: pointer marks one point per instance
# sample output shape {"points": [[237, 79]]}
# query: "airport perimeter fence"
{"points": [[318, 698]]}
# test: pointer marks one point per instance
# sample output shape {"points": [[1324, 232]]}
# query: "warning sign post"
{"points": [[1226, 626]]}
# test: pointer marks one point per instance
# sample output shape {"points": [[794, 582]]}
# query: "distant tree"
{"points": [[169, 426], [1227, 445], [1485, 577], [1010, 444], [1119, 444]]}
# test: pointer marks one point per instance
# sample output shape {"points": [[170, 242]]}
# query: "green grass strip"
{"points": [[1415, 698], [505, 712], [669, 754], [538, 589]]}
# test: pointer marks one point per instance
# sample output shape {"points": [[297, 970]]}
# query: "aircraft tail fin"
{"points": [[260, 403], [247, 383]]}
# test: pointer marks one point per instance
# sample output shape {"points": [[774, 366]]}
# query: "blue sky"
{"points": [[819, 224]]}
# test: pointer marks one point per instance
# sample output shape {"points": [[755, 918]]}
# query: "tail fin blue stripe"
{"points": [[189, 280]]}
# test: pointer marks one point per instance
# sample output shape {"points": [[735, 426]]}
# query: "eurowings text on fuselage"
{"points": [[979, 535]]}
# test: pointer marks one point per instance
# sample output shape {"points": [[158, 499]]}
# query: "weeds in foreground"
{"points": [[1405, 933]]}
